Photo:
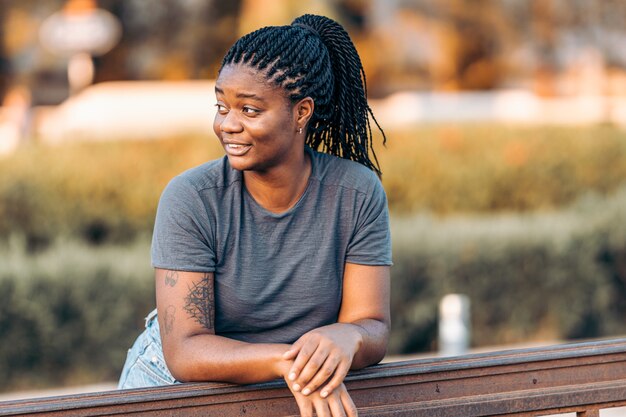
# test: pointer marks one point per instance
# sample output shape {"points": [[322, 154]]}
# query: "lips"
{"points": [[236, 149]]}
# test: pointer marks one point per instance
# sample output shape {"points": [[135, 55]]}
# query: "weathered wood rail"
{"points": [[581, 378]]}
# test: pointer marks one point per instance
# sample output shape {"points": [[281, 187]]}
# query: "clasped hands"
{"points": [[320, 360]]}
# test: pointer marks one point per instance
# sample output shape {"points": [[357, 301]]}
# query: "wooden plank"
{"points": [[577, 378], [588, 413]]}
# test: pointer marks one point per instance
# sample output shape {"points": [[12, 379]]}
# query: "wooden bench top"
{"points": [[577, 377]]}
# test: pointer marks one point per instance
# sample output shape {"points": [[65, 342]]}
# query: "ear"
{"points": [[303, 111]]}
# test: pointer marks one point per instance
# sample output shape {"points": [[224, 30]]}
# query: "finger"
{"points": [[322, 375], [337, 379], [293, 350], [304, 405], [348, 404], [306, 351], [311, 368], [336, 406], [290, 354], [322, 409]]}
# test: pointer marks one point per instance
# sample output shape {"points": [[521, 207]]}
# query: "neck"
{"points": [[278, 189]]}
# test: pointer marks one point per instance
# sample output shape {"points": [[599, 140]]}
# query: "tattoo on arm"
{"points": [[199, 302], [171, 278], [168, 319]]}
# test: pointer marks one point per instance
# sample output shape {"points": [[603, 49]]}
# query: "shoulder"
{"points": [[331, 170], [216, 174]]}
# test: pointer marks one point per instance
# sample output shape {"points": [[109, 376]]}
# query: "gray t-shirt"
{"points": [[277, 276]]}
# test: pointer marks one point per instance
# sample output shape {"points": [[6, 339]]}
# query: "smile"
{"points": [[236, 149]]}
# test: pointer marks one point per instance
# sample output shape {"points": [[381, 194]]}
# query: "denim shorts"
{"points": [[145, 365]]}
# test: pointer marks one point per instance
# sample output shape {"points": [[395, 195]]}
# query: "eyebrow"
{"points": [[242, 95]]}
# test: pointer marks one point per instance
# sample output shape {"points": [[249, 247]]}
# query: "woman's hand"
{"points": [[323, 355], [336, 404]]}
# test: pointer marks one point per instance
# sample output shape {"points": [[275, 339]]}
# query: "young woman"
{"points": [[273, 262]]}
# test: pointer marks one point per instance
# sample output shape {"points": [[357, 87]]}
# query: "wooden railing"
{"points": [[581, 378]]}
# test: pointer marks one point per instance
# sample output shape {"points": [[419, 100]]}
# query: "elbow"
{"points": [[179, 361], [371, 356], [180, 372], [377, 353], [177, 367], [380, 352], [384, 329], [375, 347]]}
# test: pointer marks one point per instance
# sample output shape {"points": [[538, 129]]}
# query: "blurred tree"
{"points": [[169, 39], [26, 63], [445, 44], [353, 13], [544, 42], [5, 68], [258, 13], [553, 46], [476, 54]]}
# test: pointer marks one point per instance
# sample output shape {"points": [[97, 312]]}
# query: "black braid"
{"points": [[314, 57]]}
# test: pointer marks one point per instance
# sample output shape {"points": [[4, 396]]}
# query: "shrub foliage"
{"points": [[69, 314], [484, 168], [543, 276], [71, 311], [95, 192], [108, 192], [75, 276]]}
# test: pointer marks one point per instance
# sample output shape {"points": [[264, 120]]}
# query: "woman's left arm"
{"points": [[324, 356]]}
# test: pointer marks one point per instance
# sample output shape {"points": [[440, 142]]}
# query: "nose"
{"points": [[230, 123]]}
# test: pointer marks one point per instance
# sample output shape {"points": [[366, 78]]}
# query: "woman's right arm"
{"points": [[192, 350]]}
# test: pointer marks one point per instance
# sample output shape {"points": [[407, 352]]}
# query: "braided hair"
{"points": [[314, 57]]}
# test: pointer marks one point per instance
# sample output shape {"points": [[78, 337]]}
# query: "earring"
{"points": [[300, 130]]}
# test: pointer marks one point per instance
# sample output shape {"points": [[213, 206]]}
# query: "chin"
{"points": [[241, 164], [237, 163]]}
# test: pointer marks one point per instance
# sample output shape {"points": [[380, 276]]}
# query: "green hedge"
{"points": [[543, 276], [450, 169], [108, 192], [94, 192], [69, 314], [69, 310]]}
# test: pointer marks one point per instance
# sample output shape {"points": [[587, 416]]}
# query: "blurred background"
{"points": [[505, 166]]}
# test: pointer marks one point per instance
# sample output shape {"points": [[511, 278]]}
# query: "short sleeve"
{"points": [[371, 240], [182, 237]]}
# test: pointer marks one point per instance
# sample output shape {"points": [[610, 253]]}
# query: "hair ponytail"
{"points": [[315, 57]]}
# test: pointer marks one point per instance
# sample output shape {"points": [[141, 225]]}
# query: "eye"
{"points": [[221, 109], [250, 111]]}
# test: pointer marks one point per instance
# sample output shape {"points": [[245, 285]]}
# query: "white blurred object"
{"points": [[80, 31], [454, 325], [138, 110], [9, 134], [80, 28], [157, 109], [80, 71], [501, 106], [14, 119]]}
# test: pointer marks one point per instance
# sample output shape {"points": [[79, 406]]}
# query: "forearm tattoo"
{"points": [[199, 303], [168, 319], [171, 278]]}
